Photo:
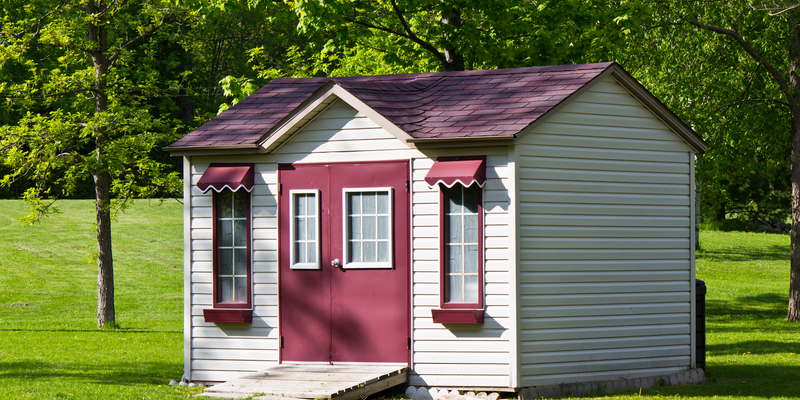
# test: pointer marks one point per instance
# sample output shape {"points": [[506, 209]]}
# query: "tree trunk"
{"points": [[794, 278], [105, 260], [455, 59], [102, 178]]}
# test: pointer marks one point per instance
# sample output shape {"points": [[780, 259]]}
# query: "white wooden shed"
{"points": [[486, 229]]}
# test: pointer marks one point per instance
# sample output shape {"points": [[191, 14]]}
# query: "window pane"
{"points": [[300, 252], [383, 203], [383, 251], [370, 252], [456, 287], [369, 227], [300, 205], [241, 290], [355, 228], [240, 233], [225, 260], [355, 252], [225, 233], [240, 262], [225, 290], [311, 228], [240, 203], [224, 204], [311, 252], [471, 259], [368, 203], [383, 227], [471, 228], [455, 264], [455, 200], [455, 229], [300, 228], [471, 199], [354, 200], [471, 288]]}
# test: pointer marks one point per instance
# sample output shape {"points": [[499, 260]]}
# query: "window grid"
{"points": [[232, 203], [462, 246], [368, 227], [304, 230]]}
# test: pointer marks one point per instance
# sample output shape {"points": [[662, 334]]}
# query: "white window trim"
{"points": [[345, 225], [292, 215]]}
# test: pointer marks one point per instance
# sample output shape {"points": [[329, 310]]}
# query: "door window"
{"points": [[304, 228], [368, 228]]}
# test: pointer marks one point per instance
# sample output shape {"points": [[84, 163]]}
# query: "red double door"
{"points": [[344, 277]]}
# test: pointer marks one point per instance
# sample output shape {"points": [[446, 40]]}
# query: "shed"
{"points": [[486, 229]]}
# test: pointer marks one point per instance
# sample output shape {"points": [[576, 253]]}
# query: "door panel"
{"points": [[339, 314]]}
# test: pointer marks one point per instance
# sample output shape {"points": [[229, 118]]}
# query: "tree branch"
{"points": [[787, 91], [408, 33], [114, 57]]}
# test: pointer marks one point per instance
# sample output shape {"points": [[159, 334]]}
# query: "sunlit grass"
{"points": [[50, 347]]}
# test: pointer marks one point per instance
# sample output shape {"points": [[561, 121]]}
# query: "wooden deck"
{"points": [[300, 381]]}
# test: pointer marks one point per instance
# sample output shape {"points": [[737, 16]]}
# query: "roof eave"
{"points": [[462, 141], [211, 150]]}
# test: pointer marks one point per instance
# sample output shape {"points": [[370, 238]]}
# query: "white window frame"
{"points": [[292, 215], [345, 228]]}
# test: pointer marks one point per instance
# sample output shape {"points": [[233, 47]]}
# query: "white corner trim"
{"points": [[187, 267]]}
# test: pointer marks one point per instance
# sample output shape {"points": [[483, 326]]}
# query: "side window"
{"points": [[461, 237], [232, 281]]}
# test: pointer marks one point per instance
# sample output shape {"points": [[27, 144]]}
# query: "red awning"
{"points": [[232, 176], [452, 171]]}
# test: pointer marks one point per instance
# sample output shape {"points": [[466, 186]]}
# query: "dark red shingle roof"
{"points": [[466, 104]]}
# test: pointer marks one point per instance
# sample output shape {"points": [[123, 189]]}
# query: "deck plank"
{"points": [[300, 381]]}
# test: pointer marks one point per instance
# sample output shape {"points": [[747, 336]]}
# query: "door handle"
{"points": [[336, 263]]}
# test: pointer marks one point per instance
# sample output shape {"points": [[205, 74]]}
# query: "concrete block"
{"points": [[526, 394], [548, 391], [493, 396], [482, 395], [638, 383], [410, 391], [470, 394], [702, 373]]}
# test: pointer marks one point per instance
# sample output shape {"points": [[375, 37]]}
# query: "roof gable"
{"points": [[417, 108]]}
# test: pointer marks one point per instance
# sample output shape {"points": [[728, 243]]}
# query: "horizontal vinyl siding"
{"points": [[453, 355], [604, 231], [225, 351]]}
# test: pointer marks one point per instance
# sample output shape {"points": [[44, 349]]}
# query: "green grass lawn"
{"points": [[50, 347]]}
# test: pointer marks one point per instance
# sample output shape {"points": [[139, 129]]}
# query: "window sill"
{"points": [[231, 315], [457, 316]]}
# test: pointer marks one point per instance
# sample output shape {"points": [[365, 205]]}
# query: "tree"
{"points": [[424, 35], [768, 35], [84, 97]]}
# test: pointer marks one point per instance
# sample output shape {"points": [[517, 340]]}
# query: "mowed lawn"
{"points": [[50, 347]]}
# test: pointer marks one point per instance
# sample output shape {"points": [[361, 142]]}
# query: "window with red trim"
{"points": [[231, 241], [461, 255]]}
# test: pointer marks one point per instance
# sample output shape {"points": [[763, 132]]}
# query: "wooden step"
{"points": [[312, 381]]}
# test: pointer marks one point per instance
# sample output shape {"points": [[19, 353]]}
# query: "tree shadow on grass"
{"points": [[739, 254], [766, 306], [116, 373], [753, 347]]}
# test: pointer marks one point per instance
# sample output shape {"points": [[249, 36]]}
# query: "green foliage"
{"points": [[70, 119], [369, 37], [727, 97]]}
